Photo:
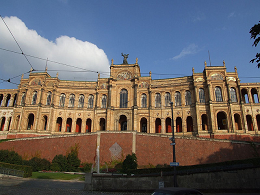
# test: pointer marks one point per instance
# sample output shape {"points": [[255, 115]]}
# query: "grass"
{"points": [[58, 176]]}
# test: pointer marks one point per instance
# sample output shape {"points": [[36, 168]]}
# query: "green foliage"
{"points": [[72, 159], [39, 164], [85, 167], [59, 176], [255, 34], [59, 163], [10, 157], [27, 169], [130, 163]]}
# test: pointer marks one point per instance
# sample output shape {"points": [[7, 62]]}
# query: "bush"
{"points": [[73, 160], [39, 164], [86, 167], [26, 169], [130, 163], [59, 163], [10, 157]]}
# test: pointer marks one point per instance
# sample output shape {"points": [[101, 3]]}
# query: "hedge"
{"points": [[26, 169]]}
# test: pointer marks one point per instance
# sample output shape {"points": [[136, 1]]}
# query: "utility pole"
{"points": [[174, 163]]}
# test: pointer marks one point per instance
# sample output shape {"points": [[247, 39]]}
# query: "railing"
{"points": [[13, 172]]}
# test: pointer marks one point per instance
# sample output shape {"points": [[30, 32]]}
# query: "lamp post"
{"points": [[174, 164]]}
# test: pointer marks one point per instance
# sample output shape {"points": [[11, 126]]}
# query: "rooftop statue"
{"points": [[125, 58]]}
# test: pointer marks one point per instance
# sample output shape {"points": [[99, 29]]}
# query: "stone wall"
{"points": [[149, 148], [247, 179]]}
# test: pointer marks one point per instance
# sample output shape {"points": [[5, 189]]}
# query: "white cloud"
{"points": [[191, 49], [231, 15], [64, 49]]}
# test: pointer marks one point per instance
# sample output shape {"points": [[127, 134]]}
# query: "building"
{"points": [[209, 104]]}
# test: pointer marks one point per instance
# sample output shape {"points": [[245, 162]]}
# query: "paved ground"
{"points": [[25, 186]]}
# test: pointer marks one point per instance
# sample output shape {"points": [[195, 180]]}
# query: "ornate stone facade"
{"points": [[205, 104]]}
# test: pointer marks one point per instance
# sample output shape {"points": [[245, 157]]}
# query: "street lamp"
{"points": [[174, 163]]}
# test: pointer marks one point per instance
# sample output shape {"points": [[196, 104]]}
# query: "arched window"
{"points": [[23, 99], [15, 99], [81, 101], [245, 96], [62, 100], [90, 101], [1, 99], [45, 120], [201, 95], [143, 100], [123, 98], [167, 99], [34, 98], [71, 100], [254, 96], [222, 120], [157, 100], [48, 101], [177, 98], [187, 98], [30, 122], [233, 94], [7, 101], [104, 101], [218, 94]]}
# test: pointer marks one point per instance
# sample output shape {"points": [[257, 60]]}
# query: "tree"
{"points": [[255, 34], [130, 163]]}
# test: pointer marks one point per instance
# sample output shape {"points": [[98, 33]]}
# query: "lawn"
{"points": [[59, 176]]}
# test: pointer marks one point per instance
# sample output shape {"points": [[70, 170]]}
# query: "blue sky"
{"points": [[168, 37]]}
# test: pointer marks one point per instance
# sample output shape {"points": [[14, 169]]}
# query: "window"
{"points": [[254, 95], [123, 98], [48, 101], [157, 100], [218, 94], [201, 95], [187, 98], [233, 95], [245, 96], [167, 99], [71, 100], [90, 101], [177, 98], [81, 101], [143, 100], [23, 98], [34, 98], [62, 100], [104, 101]]}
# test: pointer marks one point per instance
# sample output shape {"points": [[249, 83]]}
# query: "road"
{"points": [[26, 186]]}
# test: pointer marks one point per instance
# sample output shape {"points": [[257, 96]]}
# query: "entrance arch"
{"points": [[102, 124], [249, 123], [189, 123], [2, 123], [59, 124], [178, 124], [158, 125], [123, 123], [78, 125], [222, 120], [143, 125], [30, 121], [204, 122], [237, 122], [68, 125], [168, 126], [88, 125]]}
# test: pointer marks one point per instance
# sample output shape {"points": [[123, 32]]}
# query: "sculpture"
{"points": [[125, 58]]}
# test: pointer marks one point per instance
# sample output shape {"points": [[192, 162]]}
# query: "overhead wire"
{"points": [[16, 42]]}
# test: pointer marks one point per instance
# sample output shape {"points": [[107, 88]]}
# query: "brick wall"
{"points": [[150, 148]]}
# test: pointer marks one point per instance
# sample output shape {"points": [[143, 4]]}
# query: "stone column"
{"points": [[163, 125]]}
